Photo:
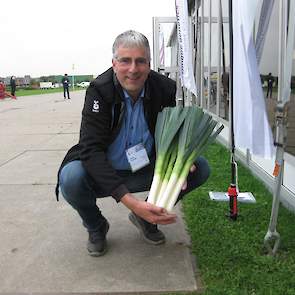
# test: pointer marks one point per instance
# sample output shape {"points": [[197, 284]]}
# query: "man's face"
{"points": [[132, 68]]}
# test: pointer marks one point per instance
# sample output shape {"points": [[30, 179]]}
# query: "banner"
{"points": [[185, 51], [251, 127], [264, 19]]}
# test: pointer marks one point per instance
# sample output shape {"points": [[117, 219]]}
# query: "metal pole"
{"points": [[231, 119], [73, 78], [272, 237], [209, 56], [190, 96], [198, 55], [232, 190], [218, 59], [225, 78], [195, 49], [198, 74], [156, 43], [202, 55]]}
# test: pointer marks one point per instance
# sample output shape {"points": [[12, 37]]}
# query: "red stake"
{"points": [[233, 201]]}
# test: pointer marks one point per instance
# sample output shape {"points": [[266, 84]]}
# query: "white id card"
{"points": [[137, 157]]}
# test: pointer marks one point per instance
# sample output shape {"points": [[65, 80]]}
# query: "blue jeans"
{"points": [[66, 91], [77, 188]]}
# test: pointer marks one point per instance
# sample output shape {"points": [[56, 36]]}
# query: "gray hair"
{"points": [[131, 39]]}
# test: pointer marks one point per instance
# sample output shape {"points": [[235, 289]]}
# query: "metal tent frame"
{"points": [[287, 22]]}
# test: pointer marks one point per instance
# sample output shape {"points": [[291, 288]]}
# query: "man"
{"points": [[12, 86], [270, 80], [2, 90], [225, 85], [120, 112], [66, 83]]}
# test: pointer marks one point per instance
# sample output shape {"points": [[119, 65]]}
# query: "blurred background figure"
{"points": [[12, 85], [66, 83], [270, 80], [2, 90]]}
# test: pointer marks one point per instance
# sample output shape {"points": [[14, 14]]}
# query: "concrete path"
{"points": [[42, 242]]}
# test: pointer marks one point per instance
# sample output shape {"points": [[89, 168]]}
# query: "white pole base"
{"points": [[245, 197]]}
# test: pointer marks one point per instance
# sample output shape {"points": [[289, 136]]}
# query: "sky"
{"points": [[49, 37]]}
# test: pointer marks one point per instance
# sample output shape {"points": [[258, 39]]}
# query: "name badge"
{"points": [[137, 157]]}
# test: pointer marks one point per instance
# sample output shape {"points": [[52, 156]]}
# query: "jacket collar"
{"points": [[118, 87], [147, 91]]}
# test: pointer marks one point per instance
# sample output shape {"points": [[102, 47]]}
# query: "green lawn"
{"points": [[230, 254], [25, 92]]}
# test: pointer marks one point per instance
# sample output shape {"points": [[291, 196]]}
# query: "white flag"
{"points": [[251, 127], [264, 19], [185, 61]]}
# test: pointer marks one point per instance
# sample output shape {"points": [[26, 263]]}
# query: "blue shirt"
{"points": [[134, 130]]}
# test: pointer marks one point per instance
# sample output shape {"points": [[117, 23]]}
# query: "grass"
{"points": [[25, 92], [230, 254]]}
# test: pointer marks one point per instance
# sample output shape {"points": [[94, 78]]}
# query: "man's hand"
{"points": [[154, 214], [192, 169], [147, 211]]}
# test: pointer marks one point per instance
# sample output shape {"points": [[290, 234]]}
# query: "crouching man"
{"points": [[120, 113]]}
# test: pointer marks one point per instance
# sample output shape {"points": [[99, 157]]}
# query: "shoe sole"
{"points": [[134, 221], [97, 254]]}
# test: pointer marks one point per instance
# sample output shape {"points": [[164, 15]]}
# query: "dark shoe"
{"points": [[97, 243], [150, 232]]}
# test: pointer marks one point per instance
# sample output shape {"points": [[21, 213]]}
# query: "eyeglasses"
{"points": [[127, 61]]}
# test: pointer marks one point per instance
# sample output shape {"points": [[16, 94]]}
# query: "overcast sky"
{"points": [[48, 37]]}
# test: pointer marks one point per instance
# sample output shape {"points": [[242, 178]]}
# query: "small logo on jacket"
{"points": [[95, 107]]}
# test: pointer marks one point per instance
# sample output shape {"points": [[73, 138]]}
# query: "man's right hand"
{"points": [[147, 211]]}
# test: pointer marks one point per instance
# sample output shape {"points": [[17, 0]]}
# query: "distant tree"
{"points": [[34, 83], [44, 79], [52, 79]]}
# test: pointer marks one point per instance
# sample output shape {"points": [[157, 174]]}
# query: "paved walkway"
{"points": [[42, 242]]}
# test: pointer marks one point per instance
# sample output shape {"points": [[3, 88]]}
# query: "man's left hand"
{"points": [[192, 169]]}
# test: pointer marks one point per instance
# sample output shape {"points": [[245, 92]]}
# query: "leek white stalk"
{"points": [[194, 136], [168, 172], [177, 180], [168, 123]]}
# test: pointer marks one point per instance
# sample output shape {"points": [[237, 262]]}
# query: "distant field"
{"points": [[25, 92]]}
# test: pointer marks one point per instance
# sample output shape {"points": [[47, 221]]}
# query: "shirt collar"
{"points": [[126, 95]]}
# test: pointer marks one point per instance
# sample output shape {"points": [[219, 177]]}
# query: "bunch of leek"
{"points": [[181, 135], [168, 124]]}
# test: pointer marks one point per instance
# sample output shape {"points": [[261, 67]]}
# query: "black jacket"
{"points": [[101, 116], [65, 82], [12, 83]]}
